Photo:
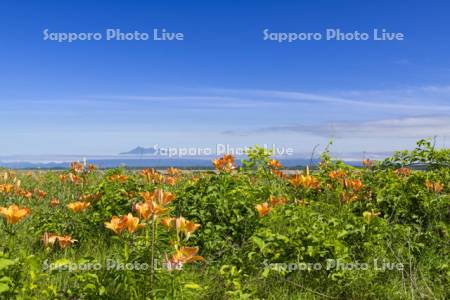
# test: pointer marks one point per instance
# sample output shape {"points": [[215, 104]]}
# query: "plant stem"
{"points": [[152, 265]]}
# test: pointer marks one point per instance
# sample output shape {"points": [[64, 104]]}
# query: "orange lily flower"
{"points": [[168, 222], [173, 172], [226, 163], [263, 209], [65, 241], [273, 163], [186, 227], [308, 181], [277, 173], [158, 196], [403, 172], [131, 223], [336, 174], [434, 186], [41, 194], [186, 255], [347, 197], [162, 197], [76, 167], [74, 178], [368, 163], [78, 206], [54, 202], [148, 209], [152, 176], [13, 213], [6, 188], [90, 197], [115, 225], [63, 177], [170, 180], [49, 239], [118, 178], [274, 201], [354, 184], [25, 194]]}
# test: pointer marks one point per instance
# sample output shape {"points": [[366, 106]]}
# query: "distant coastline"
{"points": [[143, 161]]}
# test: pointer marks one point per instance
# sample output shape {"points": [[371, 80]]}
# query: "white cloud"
{"points": [[409, 127]]}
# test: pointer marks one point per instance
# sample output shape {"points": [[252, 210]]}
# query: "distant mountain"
{"points": [[140, 151]]}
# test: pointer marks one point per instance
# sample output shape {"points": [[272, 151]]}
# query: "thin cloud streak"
{"points": [[389, 99], [411, 127], [408, 99]]}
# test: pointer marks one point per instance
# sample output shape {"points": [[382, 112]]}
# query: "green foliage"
{"points": [[224, 206], [386, 239], [424, 154]]}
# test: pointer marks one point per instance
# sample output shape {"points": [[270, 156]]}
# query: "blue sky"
{"points": [[223, 83]]}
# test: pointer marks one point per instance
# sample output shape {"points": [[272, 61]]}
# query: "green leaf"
{"points": [[193, 286], [259, 242], [5, 263], [3, 287]]}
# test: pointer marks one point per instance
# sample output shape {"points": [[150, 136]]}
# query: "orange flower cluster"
{"points": [[274, 201], [40, 194], [353, 187], [119, 224], [403, 172], [172, 177], [306, 181], [353, 184], [78, 206], [90, 197], [181, 225], [75, 178], [368, 163], [148, 209], [49, 240], [54, 202], [274, 166], [152, 176], [6, 188], [13, 214], [71, 176], [174, 172], [63, 177], [182, 256], [8, 175], [158, 196], [77, 170], [118, 178], [225, 163], [434, 186], [264, 208], [154, 203], [337, 174], [22, 193], [348, 197], [76, 167]]}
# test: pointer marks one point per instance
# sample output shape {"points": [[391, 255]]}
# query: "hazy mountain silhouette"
{"points": [[140, 151]]}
